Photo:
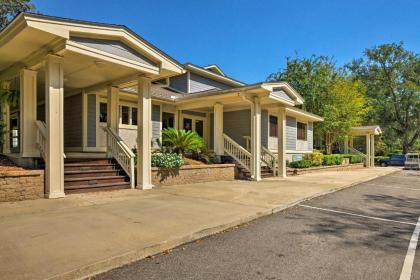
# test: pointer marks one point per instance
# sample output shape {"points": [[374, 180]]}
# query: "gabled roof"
{"points": [[212, 75], [214, 68]]}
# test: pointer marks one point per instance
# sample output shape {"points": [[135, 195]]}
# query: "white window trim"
{"points": [[194, 118], [130, 106]]}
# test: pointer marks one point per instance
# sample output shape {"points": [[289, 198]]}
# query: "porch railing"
{"points": [[269, 159], [237, 152], [41, 140], [122, 154]]}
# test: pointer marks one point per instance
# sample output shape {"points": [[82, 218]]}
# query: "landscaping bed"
{"points": [[189, 174], [343, 167]]}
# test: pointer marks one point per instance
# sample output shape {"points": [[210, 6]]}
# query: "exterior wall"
{"points": [[21, 185], [291, 132], [310, 136], [282, 94], [91, 120], [189, 174], [73, 121], [199, 83], [156, 125], [264, 128], [180, 83], [129, 135], [237, 124]]}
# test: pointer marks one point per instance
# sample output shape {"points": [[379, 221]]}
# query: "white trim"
{"points": [[84, 119], [194, 118]]}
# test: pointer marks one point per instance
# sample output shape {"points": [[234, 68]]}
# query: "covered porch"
{"points": [[52, 61]]}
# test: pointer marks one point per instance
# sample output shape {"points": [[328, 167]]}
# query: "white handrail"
{"points": [[247, 142], [122, 154], [41, 140], [269, 158], [357, 152], [237, 152]]}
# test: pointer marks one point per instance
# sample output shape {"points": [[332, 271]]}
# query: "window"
{"points": [[273, 126], [134, 116], [125, 115], [167, 120], [301, 131], [103, 112], [188, 124], [128, 115]]}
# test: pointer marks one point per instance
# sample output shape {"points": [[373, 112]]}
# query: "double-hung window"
{"points": [[302, 131], [273, 126], [128, 115]]}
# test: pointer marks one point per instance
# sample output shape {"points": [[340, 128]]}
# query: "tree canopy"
{"points": [[10, 8]]}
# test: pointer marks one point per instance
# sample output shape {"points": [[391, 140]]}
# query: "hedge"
{"points": [[354, 158], [301, 163], [332, 159]]}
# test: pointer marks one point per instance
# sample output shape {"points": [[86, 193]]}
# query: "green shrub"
{"points": [[316, 157], [354, 158], [301, 163], [182, 141], [167, 160], [335, 159]]}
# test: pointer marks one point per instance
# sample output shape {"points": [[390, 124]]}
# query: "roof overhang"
{"points": [[214, 68], [212, 75], [301, 114], [31, 36], [366, 130]]}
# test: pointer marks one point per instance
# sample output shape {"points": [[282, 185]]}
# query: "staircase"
{"points": [[87, 175], [242, 158]]}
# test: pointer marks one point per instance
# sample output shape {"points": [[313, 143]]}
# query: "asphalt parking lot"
{"points": [[362, 232]]}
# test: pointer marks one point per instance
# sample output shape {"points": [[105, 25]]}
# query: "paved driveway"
{"points": [[357, 233], [84, 234]]}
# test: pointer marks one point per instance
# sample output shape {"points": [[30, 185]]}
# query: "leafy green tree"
{"points": [[328, 93], [10, 8], [392, 77]]}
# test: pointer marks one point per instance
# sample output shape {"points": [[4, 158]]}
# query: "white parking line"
{"points": [[411, 252], [358, 215]]}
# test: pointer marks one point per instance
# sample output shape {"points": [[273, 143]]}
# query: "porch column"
{"points": [[28, 103], [281, 142], [346, 144], [218, 131], [112, 110], [5, 110], [54, 159], [368, 151], [144, 134], [256, 139], [372, 150]]}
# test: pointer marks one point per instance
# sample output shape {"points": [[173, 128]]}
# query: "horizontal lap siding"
{"points": [[179, 82], [291, 131], [156, 125], [237, 124], [282, 94], [199, 83], [264, 128], [91, 120], [73, 121], [310, 136]]}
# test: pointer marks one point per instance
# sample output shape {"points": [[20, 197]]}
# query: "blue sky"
{"points": [[251, 39]]}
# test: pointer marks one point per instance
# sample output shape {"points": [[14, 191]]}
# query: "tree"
{"points": [[392, 76], [10, 8], [328, 93]]}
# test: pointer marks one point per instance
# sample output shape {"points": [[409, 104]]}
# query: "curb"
{"points": [[137, 254]]}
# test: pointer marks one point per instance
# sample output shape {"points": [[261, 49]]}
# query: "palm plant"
{"points": [[182, 141]]}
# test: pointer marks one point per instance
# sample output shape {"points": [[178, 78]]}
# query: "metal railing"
{"points": [[237, 152], [122, 154]]}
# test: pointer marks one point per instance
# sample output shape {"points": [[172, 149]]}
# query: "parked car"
{"points": [[413, 161], [395, 160]]}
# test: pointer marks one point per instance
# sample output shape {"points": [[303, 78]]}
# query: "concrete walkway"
{"points": [[84, 234]]}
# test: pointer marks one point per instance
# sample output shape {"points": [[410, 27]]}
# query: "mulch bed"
{"points": [[6, 165]]}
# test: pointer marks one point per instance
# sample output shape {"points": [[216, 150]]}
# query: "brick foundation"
{"points": [[21, 185], [189, 174]]}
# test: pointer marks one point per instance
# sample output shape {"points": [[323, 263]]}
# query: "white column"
{"points": [[368, 151], [177, 123], [28, 103], [372, 150], [281, 142], [5, 110], [256, 139], [112, 111], [218, 130], [144, 134], [54, 160], [346, 144]]}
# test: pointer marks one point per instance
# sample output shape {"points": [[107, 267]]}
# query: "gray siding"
{"points": [[237, 124], [156, 132], [91, 120], [291, 131], [199, 83], [73, 121], [282, 94], [115, 48], [264, 128], [310, 136], [180, 83]]}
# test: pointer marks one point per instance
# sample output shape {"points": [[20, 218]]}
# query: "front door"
{"points": [[101, 122]]}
